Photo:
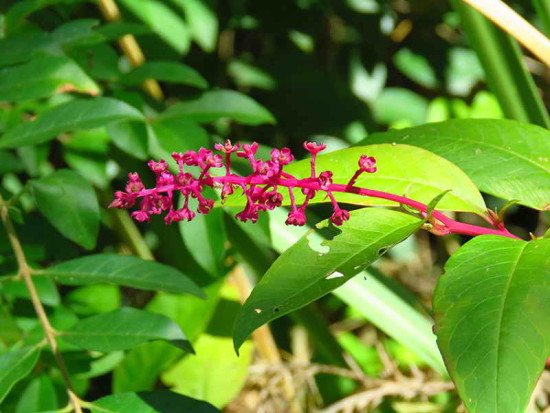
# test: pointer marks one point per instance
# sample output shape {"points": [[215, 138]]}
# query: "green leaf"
{"points": [[402, 170], [39, 396], [493, 321], [215, 374], [21, 47], [416, 67], [309, 269], [247, 75], [16, 365], [374, 299], [505, 158], [203, 23], [160, 401], [47, 290], [122, 270], [216, 104], [163, 21], [141, 367], [93, 299], [398, 105], [67, 117], [208, 231], [43, 76], [130, 137], [123, 329], [69, 203], [177, 134], [166, 72]]}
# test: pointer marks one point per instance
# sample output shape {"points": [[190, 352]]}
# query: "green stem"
{"points": [[505, 71]]}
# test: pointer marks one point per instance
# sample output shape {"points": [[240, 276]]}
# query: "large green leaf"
{"points": [[123, 329], [216, 104], [379, 303], [69, 202], [70, 116], [166, 72], [160, 401], [163, 21], [43, 76], [309, 269], [493, 321], [14, 366], [505, 158], [402, 170], [215, 374], [122, 270]]}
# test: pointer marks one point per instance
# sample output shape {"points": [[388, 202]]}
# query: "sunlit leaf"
{"points": [[215, 374], [402, 170], [505, 158]]}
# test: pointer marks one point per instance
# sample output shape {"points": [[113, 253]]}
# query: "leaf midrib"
{"points": [[501, 319]]}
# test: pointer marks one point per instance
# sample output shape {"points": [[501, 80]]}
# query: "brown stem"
{"points": [[25, 274], [130, 47], [264, 340]]}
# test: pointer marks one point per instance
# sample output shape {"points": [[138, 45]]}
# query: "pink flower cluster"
{"points": [[261, 188]]}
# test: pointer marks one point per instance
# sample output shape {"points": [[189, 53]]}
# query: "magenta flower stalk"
{"points": [[262, 189]]}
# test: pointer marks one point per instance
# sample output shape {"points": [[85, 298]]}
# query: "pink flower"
{"points": [[339, 216], [134, 183], [158, 167], [325, 180], [205, 205], [172, 216], [282, 157], [296, 218], [141, 216], [367, 164], [313, 147], [227, 147], [273, 199], [249, 150]]}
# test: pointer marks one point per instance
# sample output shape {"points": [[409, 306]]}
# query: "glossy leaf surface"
{"points": [[493, 321], [309, 269], [402, 170], [504, 158]]}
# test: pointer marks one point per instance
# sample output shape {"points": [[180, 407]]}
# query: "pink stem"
{"points": [[450, 226]]}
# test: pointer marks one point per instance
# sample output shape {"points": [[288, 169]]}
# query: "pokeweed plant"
{"points": [[491, 318]]}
